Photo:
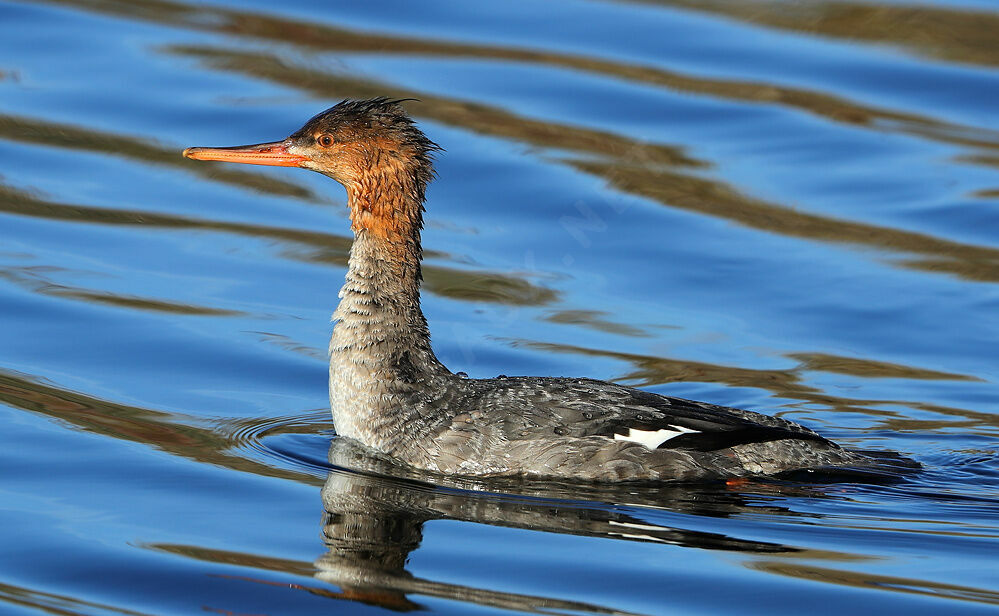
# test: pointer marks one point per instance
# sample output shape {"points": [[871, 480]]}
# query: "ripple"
{"points": [[295, 442]]}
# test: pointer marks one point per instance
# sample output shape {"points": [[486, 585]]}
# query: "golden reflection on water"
{"points": [[173, 433], [962, 26], [652, 171], [36, 280], [864, 579], [51, 134], [54, 603], [650, 370], [630, 166], [454, 283], [596, 320], [957, 34]]}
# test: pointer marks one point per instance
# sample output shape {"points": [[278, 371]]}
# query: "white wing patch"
{"points": [[652, 438]]}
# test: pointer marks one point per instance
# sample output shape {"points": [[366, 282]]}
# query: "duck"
{"points": [[390, 394]]}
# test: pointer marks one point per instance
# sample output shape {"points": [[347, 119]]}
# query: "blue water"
{"points": [[788, 207]]}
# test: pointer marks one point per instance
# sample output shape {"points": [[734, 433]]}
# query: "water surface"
{"points": [[788, 207]]}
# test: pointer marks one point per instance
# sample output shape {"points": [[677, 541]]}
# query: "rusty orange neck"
{"points": [[388, 202], [386, 206]]}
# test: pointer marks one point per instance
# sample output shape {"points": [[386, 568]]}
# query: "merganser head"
{"points": [[347, 142], [371, 147]]}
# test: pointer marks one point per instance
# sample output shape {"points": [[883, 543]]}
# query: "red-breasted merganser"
{"points": [[389, 392]]}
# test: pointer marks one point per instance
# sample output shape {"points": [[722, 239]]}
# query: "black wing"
{"points": [[712, 427]]}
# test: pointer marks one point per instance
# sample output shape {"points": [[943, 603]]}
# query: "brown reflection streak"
{"points": [[392, 596], [51, 134], [651, 371], [293, 346], [485, 287], [52, 603], [388, 598], [594, 319], [953, 34], [867, 368], [631, 166], [713, 198], [240, 559], [984, 160], [321, 37], [163, 431], [33, 280], [140, 303], [873, 581], [391, 599], [323, 248]]}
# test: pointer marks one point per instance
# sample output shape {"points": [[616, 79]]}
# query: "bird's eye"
{"points": [[325, 141]]}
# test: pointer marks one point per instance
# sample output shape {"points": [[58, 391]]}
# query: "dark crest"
{"points": [[359, 118]]}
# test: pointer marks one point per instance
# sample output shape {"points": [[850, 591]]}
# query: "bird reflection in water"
{"points": [[375, 511]]}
